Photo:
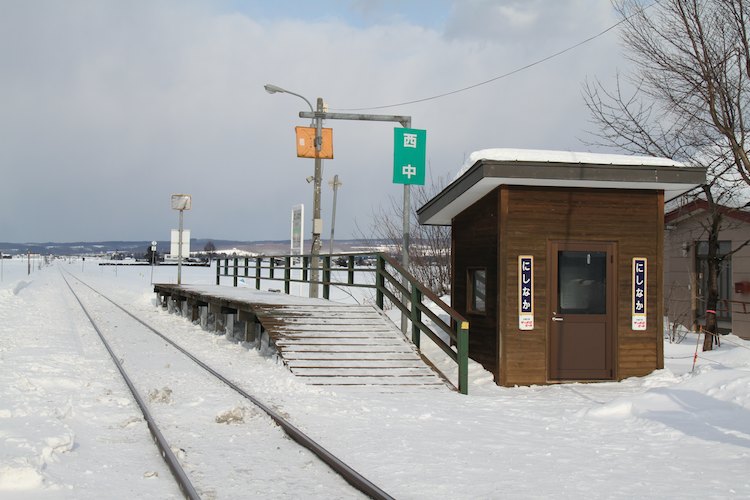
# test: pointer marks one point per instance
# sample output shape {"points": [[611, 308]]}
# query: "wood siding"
{"points": [[474, 245], [633, 220]]}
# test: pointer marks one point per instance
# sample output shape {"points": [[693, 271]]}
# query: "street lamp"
{"points": [[317, 226]]}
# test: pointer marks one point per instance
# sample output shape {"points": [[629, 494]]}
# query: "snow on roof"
{"points": [[552, 156]]}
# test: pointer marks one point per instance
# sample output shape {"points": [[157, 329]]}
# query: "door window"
{"points": [[582, 282]]}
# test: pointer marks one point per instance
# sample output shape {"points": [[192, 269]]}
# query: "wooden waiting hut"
{"points": [[557, 261]]}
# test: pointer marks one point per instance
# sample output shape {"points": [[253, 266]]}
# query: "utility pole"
{"points": [[317, 221], [335, 184]]}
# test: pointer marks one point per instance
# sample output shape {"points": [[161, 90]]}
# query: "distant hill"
{"points": [[138, 248]]}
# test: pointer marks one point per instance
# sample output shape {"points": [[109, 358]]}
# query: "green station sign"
{"points": [[409, 152]]}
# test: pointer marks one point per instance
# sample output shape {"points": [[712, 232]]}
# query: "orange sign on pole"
{"points": [[306, 143]]}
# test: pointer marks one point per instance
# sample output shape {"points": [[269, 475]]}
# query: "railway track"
{"points": [[178, 412]]}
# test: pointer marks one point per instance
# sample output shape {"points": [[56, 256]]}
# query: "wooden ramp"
{"points": [[345, 345], [322, 342]]}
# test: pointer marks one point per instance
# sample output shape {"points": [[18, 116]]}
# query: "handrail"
{"points": [[727, 308], [400, 287]]}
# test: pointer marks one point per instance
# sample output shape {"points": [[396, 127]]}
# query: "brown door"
{"points": [[582, 308]]}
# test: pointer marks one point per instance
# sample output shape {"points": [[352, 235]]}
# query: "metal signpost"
{"points": [[180, 202], [298, 225], [298, 239], [409, 152], [153, 258], [335, 184]]}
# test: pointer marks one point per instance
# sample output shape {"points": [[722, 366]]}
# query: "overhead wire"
{"points": [[510, 73]]}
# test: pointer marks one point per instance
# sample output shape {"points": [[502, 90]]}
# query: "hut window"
{"points": [[582, 282], [477, 290]]}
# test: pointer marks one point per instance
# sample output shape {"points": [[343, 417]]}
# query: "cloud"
{"points": [[109, 107]]}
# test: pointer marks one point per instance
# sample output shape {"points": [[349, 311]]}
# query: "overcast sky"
{"points": [[109, 107]]}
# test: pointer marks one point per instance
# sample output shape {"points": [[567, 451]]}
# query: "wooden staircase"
{"points": [[345, 345]]}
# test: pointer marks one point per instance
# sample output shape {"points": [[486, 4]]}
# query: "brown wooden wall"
{"points": [[512, 221], [529, 218], [475, 245]]}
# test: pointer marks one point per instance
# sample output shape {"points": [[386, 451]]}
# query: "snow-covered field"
{"points": [[68, 427]]}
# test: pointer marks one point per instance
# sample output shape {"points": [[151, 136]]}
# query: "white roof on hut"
{"points": [[486, 169]]}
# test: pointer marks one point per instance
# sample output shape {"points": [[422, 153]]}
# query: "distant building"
{"points": [[685, 280]]}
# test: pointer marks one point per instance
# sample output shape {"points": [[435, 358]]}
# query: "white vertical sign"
{"points": [[525, 292], [640, 277]]}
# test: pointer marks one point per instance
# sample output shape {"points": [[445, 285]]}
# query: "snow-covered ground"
{"points": [[68, 427]]}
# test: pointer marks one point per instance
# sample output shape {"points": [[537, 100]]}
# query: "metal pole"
{"points": [[317, 221], [28, 261], [153, 258], [405, 252], [405, 242], [179, 252], [335, 185]]}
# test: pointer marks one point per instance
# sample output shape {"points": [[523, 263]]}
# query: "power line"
{"points": [[510, 73]]}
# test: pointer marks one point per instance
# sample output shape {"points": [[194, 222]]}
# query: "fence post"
{"points": [[350, 266], [463, 357], [305, 266], [271, 267], [287, 273], [236, 263], [379, 281], [416, 314], [326, 277], [226, 266], [218, 271], [258, 262], [247, 266]]}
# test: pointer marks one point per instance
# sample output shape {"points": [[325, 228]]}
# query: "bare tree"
{"points": [[689, 102], [429, 247]]}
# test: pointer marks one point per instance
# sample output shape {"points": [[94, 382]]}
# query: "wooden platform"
{"points": [[322, 342]]}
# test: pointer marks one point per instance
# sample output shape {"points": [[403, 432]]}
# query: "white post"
{"points": [[180, 202], [153, 258], [179, 252]]}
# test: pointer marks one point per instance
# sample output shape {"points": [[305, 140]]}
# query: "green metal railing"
{"points": [[387, 277]]}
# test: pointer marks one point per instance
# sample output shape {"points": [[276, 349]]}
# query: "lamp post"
{"points": [[317, 226]]}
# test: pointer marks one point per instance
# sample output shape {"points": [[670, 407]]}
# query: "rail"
{"points": [[350, 475], [386, 276], [179, 474]]}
